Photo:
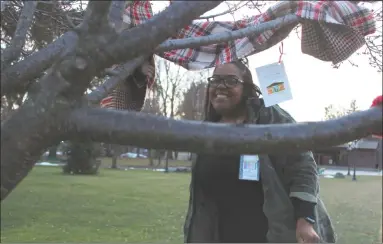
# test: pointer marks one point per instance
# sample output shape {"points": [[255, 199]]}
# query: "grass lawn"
{"points": [[142, 162], [143, 206]]}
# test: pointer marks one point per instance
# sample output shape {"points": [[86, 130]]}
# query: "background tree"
{"points": [[332, 112], [152, 106], [49, 79], [82, 158], [192, 105]]}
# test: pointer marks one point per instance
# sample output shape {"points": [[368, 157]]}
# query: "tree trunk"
{"points": [[151, 161], [52, 153], [170, 155], [159, 155], [115, 153], [82, 158], [167, 161]]}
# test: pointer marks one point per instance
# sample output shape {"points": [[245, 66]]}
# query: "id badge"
{"points": [[249, 167]]}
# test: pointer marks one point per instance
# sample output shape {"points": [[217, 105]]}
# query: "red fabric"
{"points": [[378, 101], [331, 31]]}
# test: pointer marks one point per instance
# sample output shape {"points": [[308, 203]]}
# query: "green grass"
{"points": [[131, 162], [144, 206]]}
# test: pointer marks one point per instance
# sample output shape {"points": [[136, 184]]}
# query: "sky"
{"points": [[315, 84]]}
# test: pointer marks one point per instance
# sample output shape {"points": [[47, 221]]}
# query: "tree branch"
{"points": [[12, 52], [232, 9], [16, 77], [127, 69], [157, 29], [96, 13], [115, 15], [145, 130], [4, 5], [227, 36]]}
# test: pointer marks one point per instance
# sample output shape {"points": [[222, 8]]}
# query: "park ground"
{"points": [[147, 206]]}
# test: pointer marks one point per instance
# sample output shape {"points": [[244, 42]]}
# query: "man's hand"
{"points": [[305, 232], [148, 69]]}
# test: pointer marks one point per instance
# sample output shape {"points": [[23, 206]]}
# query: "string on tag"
{"points": [[280, 52]]}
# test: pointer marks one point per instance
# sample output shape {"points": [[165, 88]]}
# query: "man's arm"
{"points": [[299, 170]]}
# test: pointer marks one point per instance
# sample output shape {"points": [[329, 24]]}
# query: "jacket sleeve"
{"points": [[299, 169]]}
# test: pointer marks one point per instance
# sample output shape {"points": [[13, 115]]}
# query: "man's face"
{"points": [[225, 88]]}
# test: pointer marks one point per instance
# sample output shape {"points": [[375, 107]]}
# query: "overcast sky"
{"points": [[314, 83]]}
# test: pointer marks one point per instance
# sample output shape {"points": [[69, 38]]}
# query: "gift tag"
{"points": [[249, 167], [274, 84]]}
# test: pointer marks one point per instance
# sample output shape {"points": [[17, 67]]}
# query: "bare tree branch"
{"points": [[4, 5], [226, 36], [93, 18], [127, 69], [16, 77], [230, 10], [157, 29], [12, 52], [148, 131], [115, 14]]}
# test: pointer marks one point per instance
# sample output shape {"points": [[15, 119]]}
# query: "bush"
{"points": [[339, 176], [82, 158]]}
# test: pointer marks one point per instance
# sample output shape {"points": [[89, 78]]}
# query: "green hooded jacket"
{"points": [[283, 176]]}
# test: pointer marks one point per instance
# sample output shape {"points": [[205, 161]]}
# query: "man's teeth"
{"points": [[221, 96]]}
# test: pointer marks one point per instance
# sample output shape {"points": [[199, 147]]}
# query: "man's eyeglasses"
{"points": [[227, 80]]}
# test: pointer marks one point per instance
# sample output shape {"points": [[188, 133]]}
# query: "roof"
{"points": [[274, 84], [368, 144], [362, 144]]}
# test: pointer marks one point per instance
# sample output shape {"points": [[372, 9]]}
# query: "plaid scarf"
{"points": [[331, 31]]}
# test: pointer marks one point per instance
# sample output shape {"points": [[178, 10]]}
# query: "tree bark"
{"points": [[149, 131]]}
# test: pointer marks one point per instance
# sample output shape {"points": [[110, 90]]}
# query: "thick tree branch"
{"points": [[227, 36], [157, 29], [115, 15], [127, 69], [127, 46], [148, 131], [12, 52], [16, 77]]}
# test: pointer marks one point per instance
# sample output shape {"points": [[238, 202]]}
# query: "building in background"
{"points": [[366, 154]]}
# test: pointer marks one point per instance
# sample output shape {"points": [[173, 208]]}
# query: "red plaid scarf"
{"points": [[331, 31]]}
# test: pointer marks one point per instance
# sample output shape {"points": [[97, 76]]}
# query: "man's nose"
{"points": [[221, 85]]}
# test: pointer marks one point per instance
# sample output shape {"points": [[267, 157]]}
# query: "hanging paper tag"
{"points": [[274, 84], [249, 167]]}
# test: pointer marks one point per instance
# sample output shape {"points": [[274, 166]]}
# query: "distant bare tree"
{"points": [[192, 105], [331, 112]]}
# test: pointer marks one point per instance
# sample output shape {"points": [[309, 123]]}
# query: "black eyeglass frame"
{"points": [[228, 81]]}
